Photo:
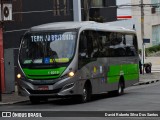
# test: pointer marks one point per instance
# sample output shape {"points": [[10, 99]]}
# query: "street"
{"points": [[136, 98]]}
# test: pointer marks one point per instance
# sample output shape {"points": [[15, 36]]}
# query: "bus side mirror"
{"points": [[83, 54]]}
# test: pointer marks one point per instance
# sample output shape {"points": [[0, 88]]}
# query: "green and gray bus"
{"points": [[67, 59]]}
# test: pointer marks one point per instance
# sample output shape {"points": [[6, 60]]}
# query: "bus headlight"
{"points": [[71, 74], [19, 76]]}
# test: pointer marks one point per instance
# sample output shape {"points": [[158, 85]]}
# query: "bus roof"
{"points": [[80, 25]]}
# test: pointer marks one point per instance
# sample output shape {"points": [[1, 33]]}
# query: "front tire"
{"points": [[86, 94], [120, 90], [34, 100]]}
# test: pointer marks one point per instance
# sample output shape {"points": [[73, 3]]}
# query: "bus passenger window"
{"points": [[83, 47], [95, 51], [130, 45]]}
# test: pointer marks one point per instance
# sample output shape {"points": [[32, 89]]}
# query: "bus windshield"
{"points": [[47, 48]]}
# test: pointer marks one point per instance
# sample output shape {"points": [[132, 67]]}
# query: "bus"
{"points": [[76, 59]]}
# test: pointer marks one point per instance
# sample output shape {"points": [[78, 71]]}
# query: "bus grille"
{"points": [[44, 91]]}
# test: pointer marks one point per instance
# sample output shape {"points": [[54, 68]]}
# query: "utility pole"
{"points": [[77, 10], [142, 35]]}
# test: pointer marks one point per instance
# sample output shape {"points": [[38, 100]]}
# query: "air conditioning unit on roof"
{"points": [[7, 12]]}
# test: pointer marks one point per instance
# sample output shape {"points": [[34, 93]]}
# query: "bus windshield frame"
{"points": [[46, 49]]}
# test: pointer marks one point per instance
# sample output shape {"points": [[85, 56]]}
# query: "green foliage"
{"points": [[152, 49]]}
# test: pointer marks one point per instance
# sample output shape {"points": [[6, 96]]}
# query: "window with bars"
{"points": [[156, 34], [56, 9], [97, 3], [157, 8], [61, 7]]}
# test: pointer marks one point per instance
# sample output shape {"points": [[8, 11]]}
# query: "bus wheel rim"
{"points": [[120, 89], [84, 94]]}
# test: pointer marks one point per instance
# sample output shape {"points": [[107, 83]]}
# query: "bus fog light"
{"points": [[71, 74], [19, 76]]}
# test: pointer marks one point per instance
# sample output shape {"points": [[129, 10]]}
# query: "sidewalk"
{"points": [[14, 98], [11, 98], [149, 78]]}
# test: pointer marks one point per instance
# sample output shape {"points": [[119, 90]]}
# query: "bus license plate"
{"points": [[43, 88]]}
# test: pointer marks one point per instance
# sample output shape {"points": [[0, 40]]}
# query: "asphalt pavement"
{"points": [[138, 98], [144, 96], [13, 98]]}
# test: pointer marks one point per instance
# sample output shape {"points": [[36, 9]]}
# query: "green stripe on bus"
{"points": [[43, 73], [129, 71], [113, 79]]}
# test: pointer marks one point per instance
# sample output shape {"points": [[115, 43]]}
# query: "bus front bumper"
{"points": [[65, 87]]}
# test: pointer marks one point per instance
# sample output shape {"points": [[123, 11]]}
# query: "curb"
{"points": [[146, 82], [11, 103]]}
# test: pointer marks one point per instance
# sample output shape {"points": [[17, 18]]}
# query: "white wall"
{"points": [[149, 20], [124, 11]]}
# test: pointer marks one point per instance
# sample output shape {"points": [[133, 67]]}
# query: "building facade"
{"points": [[124, 11], [151, 21], [28, 13], [131, 10]]}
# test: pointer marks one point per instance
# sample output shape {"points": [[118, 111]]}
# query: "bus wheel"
{"points": [[86, 95], [34, 100], [120, 90]]}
